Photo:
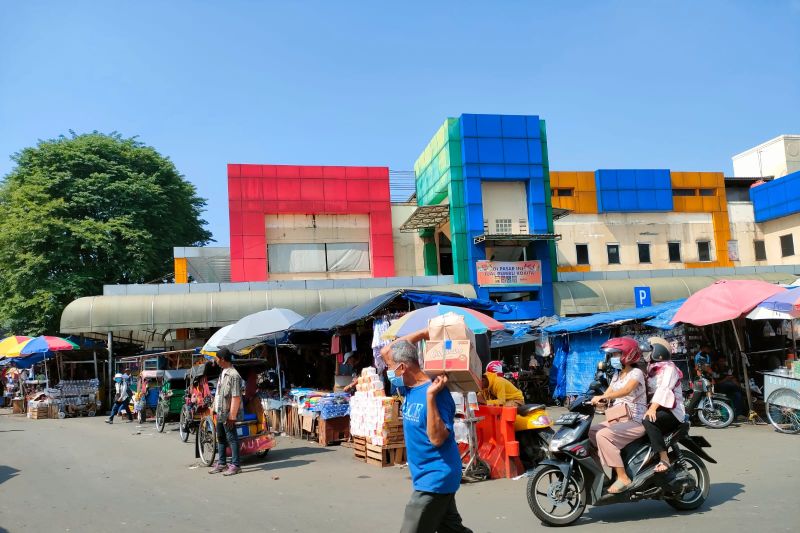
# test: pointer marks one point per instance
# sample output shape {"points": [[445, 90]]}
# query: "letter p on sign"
{"points": [[641, 296]]}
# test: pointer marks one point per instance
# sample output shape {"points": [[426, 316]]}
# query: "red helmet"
{"points": [[626, 348], [495, 367]]}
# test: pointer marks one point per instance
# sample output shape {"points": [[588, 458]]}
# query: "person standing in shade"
{"points": [[228, 408], [122, 398], [433, 457]]}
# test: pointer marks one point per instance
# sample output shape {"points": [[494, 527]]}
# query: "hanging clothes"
{"points": [[379, 327], [336, 345]]}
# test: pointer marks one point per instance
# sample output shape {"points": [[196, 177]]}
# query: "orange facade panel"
{"points": [[575, 268], [181, 270]]}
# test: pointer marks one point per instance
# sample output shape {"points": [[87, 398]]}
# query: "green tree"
{"points": [[80, 211]]}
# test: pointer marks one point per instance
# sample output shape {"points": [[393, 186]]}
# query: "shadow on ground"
{"points": [[720, 493], [6, 473]]}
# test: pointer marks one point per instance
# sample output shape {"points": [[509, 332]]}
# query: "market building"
{"points": [[487, 218]]}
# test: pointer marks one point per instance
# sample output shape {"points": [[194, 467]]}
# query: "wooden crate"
{"points": [[334, 430], [17, 406], [360, 448], [38, 413], [396, 435], [388, 455]]}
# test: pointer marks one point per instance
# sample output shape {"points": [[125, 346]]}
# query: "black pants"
{"points": [[665, 422], [428, 512]]}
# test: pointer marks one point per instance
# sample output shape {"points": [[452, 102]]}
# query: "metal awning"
{"points": [[160, 313], [520, 240], [426, 216], [559, 213]]}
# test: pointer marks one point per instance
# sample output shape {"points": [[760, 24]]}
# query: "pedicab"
{"points": [[147, 394], [198, 398], [171, 397], [255, 437]]}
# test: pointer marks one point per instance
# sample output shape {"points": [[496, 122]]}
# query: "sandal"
{"points": [[617, 487], [661, 467]]}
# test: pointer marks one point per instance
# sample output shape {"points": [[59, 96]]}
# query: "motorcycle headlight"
{"points": [[562, 438]]}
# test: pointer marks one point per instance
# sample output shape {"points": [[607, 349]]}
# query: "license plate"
{"points": [[567, 419]]}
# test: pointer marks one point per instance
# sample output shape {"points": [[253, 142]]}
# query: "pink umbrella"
{"points": [[727, 299]]}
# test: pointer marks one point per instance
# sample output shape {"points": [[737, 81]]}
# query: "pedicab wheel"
{"points": [[554, 500], [183, 427], [62, 415], [91, 412], [262, 454], [140, 417], [783, 410], [715, 414], [695, 467], [161, 417], [207, 441]]}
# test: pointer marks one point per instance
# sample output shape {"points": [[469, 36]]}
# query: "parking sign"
{"points": [[641, 296]]}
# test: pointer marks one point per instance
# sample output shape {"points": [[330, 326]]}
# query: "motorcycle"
{"points": [[561, 487], [711, 408], [533, 430]]}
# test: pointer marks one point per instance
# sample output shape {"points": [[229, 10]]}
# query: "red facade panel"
{"points": [[258, 190]]}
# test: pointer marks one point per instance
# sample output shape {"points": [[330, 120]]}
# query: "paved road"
{"points": [[81, 475]]}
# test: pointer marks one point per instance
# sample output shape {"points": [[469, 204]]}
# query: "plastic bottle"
{"points": [[472, 400]]}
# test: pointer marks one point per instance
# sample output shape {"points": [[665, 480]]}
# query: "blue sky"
{"points": [[680, 85]]}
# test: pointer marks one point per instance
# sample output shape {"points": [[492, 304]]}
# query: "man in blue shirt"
{"points": [[433, 457]]}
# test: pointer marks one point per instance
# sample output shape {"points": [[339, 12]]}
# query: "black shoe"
{"points": [[109, 421]]}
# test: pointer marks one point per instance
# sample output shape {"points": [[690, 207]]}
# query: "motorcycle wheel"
{"points": [[715, 414], [692, 464], [544, 486]]}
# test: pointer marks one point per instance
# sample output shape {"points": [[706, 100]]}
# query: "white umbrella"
{"points": [[217, 340], [259, 327], [765, 313]]}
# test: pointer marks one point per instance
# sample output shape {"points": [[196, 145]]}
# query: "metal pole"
{"points": [[743, 358], [110, 366], [94, 356]]}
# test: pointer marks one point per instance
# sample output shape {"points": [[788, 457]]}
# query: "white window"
{"points": [[308, 257], [502, 226]]}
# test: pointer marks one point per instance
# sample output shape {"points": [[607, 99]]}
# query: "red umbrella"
{"points": [[727, 299]]}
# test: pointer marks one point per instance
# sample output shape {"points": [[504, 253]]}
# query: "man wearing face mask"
{"points": [[433, 457]]}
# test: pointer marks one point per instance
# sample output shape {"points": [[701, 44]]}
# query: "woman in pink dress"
{"points": [[627, 389]]}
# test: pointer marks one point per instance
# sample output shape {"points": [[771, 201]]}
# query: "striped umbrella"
{"points": [[46, 344], [417, 320], [10, 346]]}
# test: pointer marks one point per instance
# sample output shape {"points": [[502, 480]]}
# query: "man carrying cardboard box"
{"points": [[433, 457]]}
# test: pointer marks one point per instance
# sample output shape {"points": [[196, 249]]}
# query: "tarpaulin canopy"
{"points": [[513, 335], [348, 316], [663, 320], [584, 323]]}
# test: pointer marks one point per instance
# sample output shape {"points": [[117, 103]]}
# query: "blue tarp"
{"points": [[30, 360], [583, 323], [326, 321], [575, 362], [513, 335], [662, 320]]}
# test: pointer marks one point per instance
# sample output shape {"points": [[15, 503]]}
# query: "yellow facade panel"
{"points": [[575, 268], [181, 270], [586, 181]]}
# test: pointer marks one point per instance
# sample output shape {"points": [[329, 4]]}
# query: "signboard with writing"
{"points": [[509, 273]]}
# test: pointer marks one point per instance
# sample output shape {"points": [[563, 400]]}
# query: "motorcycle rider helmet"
{"points": [[626, 348], [660, 349], [495, 367]]}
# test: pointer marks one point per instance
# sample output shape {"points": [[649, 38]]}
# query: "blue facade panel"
{"points": [[633, 190], [777, 198], [505, 148]]}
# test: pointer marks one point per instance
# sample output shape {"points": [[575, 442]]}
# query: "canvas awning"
{"points": [[160, 313]]}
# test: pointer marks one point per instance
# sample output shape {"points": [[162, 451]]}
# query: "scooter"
{"points": [[533, 429], [711, 408], [561, 487]]}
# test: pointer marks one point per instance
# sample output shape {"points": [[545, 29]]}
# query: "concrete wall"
{"points": [[505, 200], [629, 229], [776, 157], [408, 247]]}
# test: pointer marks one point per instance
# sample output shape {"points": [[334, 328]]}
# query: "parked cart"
{"points": [[76, 397]]}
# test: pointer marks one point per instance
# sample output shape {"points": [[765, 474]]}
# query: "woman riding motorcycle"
{"points": [[666, 411], [624, 416]]}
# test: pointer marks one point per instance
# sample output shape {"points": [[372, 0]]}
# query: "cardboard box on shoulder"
{"points": [[451, 351]]}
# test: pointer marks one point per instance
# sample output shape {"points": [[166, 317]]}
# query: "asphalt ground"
{"points": [[82, 475]]}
